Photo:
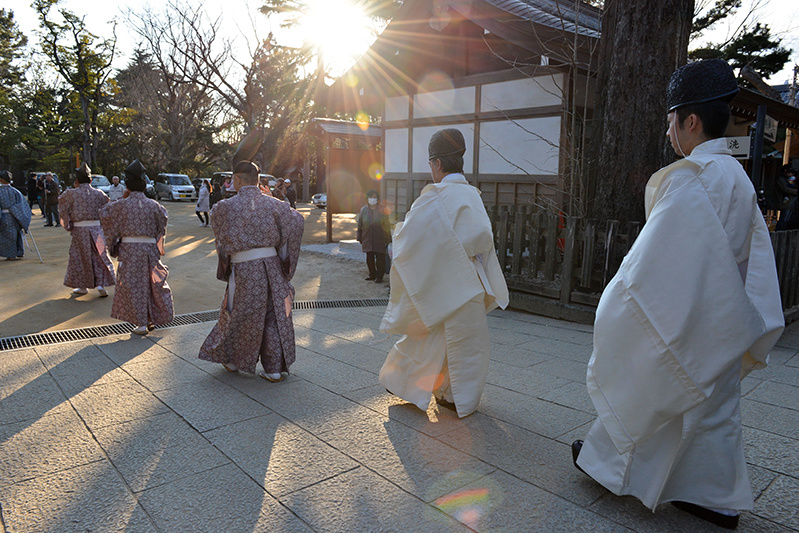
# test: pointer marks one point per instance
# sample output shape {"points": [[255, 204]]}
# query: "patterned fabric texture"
{"points": [[89, 264], [10, 223], [142, 293], [258, 323]]}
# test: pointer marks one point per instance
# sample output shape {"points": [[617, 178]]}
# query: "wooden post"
{"points": [[589, 246], [552, 246], [328, 214], [518, 236], [503, 239], [757, 148], [610, 248], [306, 179], [566, 277]]}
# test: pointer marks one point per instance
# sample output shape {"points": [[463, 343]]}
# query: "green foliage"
{"points": [[81, 59], [720, 10], [755, 47], [12, 46]]}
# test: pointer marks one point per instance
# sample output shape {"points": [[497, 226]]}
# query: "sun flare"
{"points": [[340, 29]]}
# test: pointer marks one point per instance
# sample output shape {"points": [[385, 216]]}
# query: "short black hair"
{"points": [[247, 171], [372, 193], [715, 116], [451, 164], [788, 168], [135, 184], [82, 178]]}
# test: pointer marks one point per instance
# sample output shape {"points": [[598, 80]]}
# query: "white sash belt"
{"points": [[253, 253], [85, 223], [5, 210], [150, 240]]}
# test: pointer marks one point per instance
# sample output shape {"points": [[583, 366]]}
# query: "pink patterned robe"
{"points": [[89, 265], [142, 294], [258, 322]]}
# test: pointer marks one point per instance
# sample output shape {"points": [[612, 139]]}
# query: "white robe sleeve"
{"points": [[674, 318]]}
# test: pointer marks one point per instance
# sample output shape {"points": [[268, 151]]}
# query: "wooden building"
{"points": [[513, 75]]}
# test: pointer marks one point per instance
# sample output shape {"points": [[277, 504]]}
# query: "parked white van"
{"points": [[174, 187]]}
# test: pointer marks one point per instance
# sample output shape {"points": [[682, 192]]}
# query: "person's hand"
{"points": [[126, 193], [265, 190], [417, 330]]}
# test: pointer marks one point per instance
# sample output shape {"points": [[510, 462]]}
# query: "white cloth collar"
{"points": [[713, 146], [454, 178]]}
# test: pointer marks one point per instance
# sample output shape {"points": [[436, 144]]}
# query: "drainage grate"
{"points": [[94, 332], [330, 304]]}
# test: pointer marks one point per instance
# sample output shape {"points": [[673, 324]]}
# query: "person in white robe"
{"points": [[694, 307], [445, 278]]}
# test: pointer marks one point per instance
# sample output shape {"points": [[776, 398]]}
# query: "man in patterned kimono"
{"points": [[135, 228], [15, 216], [258, 241], [79, 209]]}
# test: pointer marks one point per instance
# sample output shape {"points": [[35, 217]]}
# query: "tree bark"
{"points": [[642, 44]]}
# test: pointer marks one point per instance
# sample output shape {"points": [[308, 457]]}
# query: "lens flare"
{"points": [[363, 121], [376, 171], [435, 81], [467, 506], [351, 80]]}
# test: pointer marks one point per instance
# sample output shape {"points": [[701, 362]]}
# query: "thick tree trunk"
{"points": [[87, 130], [642, 44]]}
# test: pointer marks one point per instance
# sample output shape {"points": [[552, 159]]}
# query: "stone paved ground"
{"points": [[136, 434]]}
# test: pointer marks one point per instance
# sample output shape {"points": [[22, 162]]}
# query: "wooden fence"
{"points": [[558, 266]]}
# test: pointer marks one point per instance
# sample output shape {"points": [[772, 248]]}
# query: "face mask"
{"points": [[372, 201]]}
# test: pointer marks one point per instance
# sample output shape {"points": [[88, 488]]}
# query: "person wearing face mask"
{"points": [[694, 307], [374, 234]]}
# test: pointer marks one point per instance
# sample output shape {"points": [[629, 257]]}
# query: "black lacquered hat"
{"points": [[134, 172], [699, 82], [84, 170], [446, 142]]}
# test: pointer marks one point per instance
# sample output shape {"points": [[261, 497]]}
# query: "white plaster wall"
{"points": [[525, 144], [397, 108], [517, 94], [421, 138], [444, 103], [396, 150]]}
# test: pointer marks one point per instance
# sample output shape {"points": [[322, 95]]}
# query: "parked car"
{"points": [[319, 200], [174, 187], [101, 182]]}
